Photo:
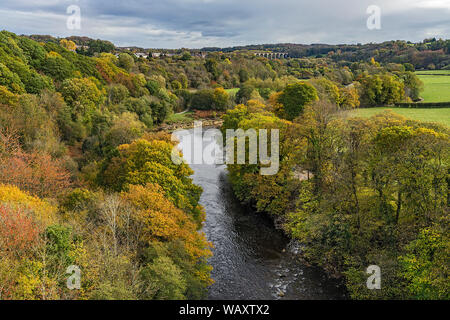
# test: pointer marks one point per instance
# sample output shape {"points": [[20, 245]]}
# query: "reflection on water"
{"points": [[251, 259]]}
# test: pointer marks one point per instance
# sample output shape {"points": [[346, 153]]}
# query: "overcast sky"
{"points": [[223, 23]]}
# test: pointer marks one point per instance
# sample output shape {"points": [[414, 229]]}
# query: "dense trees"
{"points": [[210, 99], [378, 90], [34, 171], [139, 241], [85, 181], [357, 192], [145, 240]]}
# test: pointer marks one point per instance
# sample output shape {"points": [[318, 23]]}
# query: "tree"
{"points": [[413, 85], [99, 46], [295, 97], [349, 98], [57, 67], [379, 90], [244, 94], [10, 80], [409, 67], [210, 99], [68, 44], [7, 97], [424, 266], [36, 172], [243, 75], [220, 99], [211, 66], [83, 96], [142, 107], [19, 232], [165, 280], [176, 85], [126, 61], [143, 162], [124, 129], [41, 212], [153, 86], [186, 56], [327, 90], [33, 124], [117, 93], [171, 244]]}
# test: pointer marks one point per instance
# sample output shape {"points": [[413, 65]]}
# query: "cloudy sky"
{"points": [[222, 23]]}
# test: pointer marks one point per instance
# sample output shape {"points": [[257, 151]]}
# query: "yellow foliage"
{"points": [[162, 221], [7, 97], [53, 54], [42, 210], [32, 285], [68, 44]]}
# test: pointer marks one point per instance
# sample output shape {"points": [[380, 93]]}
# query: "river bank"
{"points": [[251, 258]]}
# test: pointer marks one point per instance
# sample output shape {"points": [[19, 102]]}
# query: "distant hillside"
{"points": [[429, 54]]}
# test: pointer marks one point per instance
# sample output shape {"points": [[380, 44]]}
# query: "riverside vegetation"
{"points": [[86, 176]]}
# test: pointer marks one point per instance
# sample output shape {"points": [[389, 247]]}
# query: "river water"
{"points": [[251, 259]]}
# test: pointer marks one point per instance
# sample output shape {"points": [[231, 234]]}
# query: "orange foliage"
{"points": [[19, 233], [36, 172], [204, 114], [163, 221]]}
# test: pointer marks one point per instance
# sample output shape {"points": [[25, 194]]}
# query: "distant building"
{"points": [[200, 54], [156, 54], [141, 55]]}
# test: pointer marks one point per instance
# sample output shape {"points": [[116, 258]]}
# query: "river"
{"points": [[251, 259]]}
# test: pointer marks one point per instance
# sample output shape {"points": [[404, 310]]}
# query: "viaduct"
{"points": [[272, 55]]}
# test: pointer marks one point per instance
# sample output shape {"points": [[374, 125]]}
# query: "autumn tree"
{"points": [[68, 44], [294, 98]]}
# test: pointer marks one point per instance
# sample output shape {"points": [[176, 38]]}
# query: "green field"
{"points": [[232, 91], [433, 72], [180, 117], [441, 115], [437, 85]]}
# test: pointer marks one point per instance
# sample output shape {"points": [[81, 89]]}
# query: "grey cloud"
{"points": [[197, 23]]}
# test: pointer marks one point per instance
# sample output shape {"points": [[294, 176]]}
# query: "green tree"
{"points": [[413, 85], [245, 93], [126, 61], [295, 97], [83, 96], [425, 266], [117, 93], [164, 279]]}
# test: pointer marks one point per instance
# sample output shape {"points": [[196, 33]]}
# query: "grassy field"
{"points": [[433, 72], [441, 115], [232, 91], [437, 85], [180, 118]]}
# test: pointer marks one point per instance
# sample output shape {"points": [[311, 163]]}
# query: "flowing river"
{"points": [[252, 260]]}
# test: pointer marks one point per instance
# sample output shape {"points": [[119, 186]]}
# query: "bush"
{"points": [[426, 105], [210, 99]]}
